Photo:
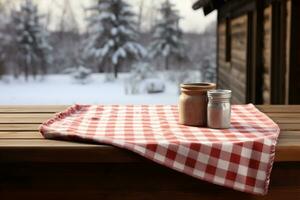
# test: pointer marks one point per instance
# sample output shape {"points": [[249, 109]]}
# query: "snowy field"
{"points": [[61, 89]]}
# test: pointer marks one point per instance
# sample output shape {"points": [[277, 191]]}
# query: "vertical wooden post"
{"points": [[257, 53], [249, 68], [217, 50], [228, 40], [277, 64], [294, 80], [283, 56], [288, 7], [254, 55]]}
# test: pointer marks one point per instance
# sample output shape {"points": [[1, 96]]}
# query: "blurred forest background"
{"points": [[141, 43]]}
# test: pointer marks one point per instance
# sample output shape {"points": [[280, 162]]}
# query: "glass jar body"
{"points": [[219, 109], [218, 114]]}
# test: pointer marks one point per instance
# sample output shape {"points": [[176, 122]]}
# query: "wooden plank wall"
{"points": [[224, 67], [267, 29], [239, 37], [288, 46], [294, 80], [232, 75], [297, 66], [279, 53]]}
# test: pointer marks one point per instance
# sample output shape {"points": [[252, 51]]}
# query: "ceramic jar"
{"points": [[193, 103]]}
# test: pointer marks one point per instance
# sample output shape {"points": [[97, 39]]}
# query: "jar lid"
{"points": [[224, 94], [197, 86]]}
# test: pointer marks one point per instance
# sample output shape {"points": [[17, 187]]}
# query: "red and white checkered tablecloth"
{"points": [[240, 157]]}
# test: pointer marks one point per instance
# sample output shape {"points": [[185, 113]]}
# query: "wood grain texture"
{"points": [[294, 45], [232, 75], [267, 29], [19, 137], [19, 118], [288, 7], [290, 109], [128, 181], [32, 108]]}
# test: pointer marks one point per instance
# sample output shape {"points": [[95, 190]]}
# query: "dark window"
{"points": [[228, 41]]}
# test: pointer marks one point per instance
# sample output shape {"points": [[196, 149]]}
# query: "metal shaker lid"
{"points": [[223, 94]]}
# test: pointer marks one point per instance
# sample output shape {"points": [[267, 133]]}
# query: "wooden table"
{"points": [[33, 167]]}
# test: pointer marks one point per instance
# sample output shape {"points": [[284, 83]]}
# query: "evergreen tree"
{"points": [[31, 39], [168, 37], [3, 38], [208, 69], [112, 35]]}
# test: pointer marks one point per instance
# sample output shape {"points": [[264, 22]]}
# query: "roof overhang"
{"points": [[208, 5]]}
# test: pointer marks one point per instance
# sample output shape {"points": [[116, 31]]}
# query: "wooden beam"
{"points": [[288, 4], [277, 64], [32, 108], [235, 8], [94, 181], [257, 58], [294, 81], [249, 59]]}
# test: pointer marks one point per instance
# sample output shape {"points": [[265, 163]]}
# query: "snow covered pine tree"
{"points": [[3, 40], [112, 34], [208, 69], [31, 38], [168, 37]]}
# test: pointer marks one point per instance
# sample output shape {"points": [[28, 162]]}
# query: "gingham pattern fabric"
{"points": [[240, 157]]}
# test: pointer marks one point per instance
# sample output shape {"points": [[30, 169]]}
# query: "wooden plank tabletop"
{"points": [[20, 140]]}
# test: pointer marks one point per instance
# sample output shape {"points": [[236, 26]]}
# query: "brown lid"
{"points": [[197, 86]]}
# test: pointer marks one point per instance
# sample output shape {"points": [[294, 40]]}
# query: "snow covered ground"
{"points": [[61, 89]]}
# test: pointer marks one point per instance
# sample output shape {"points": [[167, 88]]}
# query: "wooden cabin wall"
{"points": [[232, 74], [288, 7], [294, 71], [266, 70], [297, 66], [276, 51], [224, 67], [267, 46], [239, 27]]}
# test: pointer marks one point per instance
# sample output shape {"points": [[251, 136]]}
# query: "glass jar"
{"points": [[219, 109], [193, 103]]}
